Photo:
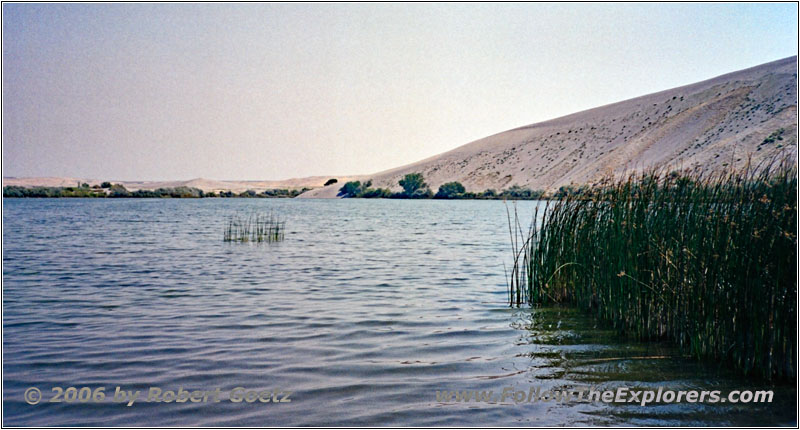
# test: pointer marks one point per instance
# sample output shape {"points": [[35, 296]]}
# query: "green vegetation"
{"points": [[350, 189], [255, 227], [582, 191], [357, 189], [421, 193], [16, 191], [775, 137], [119, 191], [518, 193], [708, 262], [413, 181], [274, 193], [414, 187], [450, 190], [376, 193]]}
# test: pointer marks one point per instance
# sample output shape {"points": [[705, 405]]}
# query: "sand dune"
{"points": [[708, 125], [711, 124]]}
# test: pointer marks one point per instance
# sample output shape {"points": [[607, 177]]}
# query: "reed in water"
{"points": [[255, 227], [709, 261]]}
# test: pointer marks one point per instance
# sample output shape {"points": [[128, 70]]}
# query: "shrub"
{"points": [[350, 189], [118, 190], [13, 191], [518, 193], [411, 183], [376, 193], [450, 190], [274, 193], [330, 181], [422, 193]]}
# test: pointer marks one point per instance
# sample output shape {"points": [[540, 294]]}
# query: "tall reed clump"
{"points": [[255, 227], [707, 261]]}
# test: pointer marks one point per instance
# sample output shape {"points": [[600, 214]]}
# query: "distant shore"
{"points": [[107, 190]]}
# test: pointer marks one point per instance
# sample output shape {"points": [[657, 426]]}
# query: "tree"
{"points": [[105, 185], [118, 190], [13, 191], [350, 189], [330, 182], [412, 182], [519, 193], [450, 190], [376, 193], [422, 193]]}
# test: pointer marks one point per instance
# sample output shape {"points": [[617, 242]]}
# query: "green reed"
{"points": [[255, 227], [707, 261]]}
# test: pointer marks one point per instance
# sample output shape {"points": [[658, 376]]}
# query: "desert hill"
{"points": [[708, 125], [716, 123]]}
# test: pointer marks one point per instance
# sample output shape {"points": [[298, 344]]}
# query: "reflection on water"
{"points": [[571, 350], [364, 311]]}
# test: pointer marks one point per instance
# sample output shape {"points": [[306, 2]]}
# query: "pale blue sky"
{"points": [[272, 91]]}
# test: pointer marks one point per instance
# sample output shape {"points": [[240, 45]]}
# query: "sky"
{"points": [[276, 91]]}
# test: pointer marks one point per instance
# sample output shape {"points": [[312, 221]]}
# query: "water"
{"points": [[364, 312]]}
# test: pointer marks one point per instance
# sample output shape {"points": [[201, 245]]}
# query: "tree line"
{"points": [[415, 187], [108, 190]]}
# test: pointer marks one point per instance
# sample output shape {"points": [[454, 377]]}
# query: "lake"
{"points": [[363, 312]]}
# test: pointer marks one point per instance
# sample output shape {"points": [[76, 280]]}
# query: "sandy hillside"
{"points": [[709, 124]]}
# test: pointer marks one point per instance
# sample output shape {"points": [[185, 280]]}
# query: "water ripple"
{"points": [[364, 311]]}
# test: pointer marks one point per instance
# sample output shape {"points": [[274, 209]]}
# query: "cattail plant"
{"points": [[709, 261], [255, 227]]}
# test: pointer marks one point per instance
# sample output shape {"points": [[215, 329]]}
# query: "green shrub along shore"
{"points": [[414, 187], [118, 191], [709, 262]]}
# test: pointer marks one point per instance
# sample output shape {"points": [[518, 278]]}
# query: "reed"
{"points": [[255, 227], [707, 261]]}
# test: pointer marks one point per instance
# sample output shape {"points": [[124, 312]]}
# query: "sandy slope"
{"points": [[708, 125]]}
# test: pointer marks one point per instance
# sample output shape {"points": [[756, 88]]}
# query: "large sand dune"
{"points": [[708, 125], [717, 123]]}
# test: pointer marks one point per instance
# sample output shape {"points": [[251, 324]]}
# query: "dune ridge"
{"points": [[716, 123]]}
